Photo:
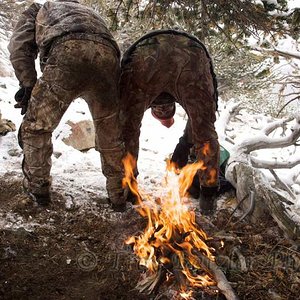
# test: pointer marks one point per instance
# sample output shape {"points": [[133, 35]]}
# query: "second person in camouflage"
{"points": [[162, 68]]}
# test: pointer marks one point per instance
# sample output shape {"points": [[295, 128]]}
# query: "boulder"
{"points": [[6, 126], [82, 135], [4, 70]]}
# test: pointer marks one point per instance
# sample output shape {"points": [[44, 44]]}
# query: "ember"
{"points": [[172, 245]]}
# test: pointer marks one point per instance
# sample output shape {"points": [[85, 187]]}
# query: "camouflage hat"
{"points": [[163, 109]]}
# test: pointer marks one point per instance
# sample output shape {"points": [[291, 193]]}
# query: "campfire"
{"points": [[172, 247]]}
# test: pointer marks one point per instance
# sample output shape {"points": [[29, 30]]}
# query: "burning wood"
{"points": [[172, 247]]}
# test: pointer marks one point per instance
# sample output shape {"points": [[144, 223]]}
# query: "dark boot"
{"points": [[117, 201], [207, 200], [194, 189], [41, 199], [131, 197], [118, 207]]}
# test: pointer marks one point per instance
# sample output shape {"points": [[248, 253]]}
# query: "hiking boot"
{"points": [[118, 207], [207, 206], [117, 201], [207, 200], [41, 199]]}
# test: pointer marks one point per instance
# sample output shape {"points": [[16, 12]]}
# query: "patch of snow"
{"points": [[11, 221], [80, 175]]}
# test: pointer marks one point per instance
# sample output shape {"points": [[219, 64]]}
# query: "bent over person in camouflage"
{"points": [[162, 68], [79, 58]]}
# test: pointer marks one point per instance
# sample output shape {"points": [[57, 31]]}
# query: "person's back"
{"points": [[164, 67], [41, 25], [79, 59], [56, 19]]}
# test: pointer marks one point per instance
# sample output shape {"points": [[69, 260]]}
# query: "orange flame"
{"points": [[186, 295], [212, 179], [206, 149], [171, 227]]}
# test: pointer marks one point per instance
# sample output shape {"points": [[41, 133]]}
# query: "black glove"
{"points": [[22, 97], [194, 189], [207, 200], [181, 153]]}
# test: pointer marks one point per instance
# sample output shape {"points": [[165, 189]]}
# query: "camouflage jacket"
{"points": [[151, 75], [40, 25], [147, 37]]}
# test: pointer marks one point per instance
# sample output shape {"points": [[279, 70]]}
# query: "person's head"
{"points": [[163, 109]]}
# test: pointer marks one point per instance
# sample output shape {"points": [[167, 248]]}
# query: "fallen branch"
{"points": [[266, 142], [276, 207], [263, 164], [231, 110], [235, 209], [275, 124], [150, 282], [241, 258], [243, 173], [250, 208], [222, 282], [276, 52], [282, 184], [286, 104]]}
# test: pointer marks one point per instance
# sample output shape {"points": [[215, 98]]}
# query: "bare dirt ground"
{"points": [[79, 252]]}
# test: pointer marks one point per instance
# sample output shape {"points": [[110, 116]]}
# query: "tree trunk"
{"points": [[266, 202]]}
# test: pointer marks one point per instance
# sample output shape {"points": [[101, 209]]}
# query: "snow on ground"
{"points": [[13, 221], [80, 173], [294, 4]]}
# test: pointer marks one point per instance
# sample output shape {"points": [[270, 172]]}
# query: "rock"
{"points": [[4, 71], [6, 126], [57, 154], [14, 152], [82, 135]]}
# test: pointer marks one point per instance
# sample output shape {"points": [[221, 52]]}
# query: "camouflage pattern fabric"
{"points": [[79, 59], [40, 25], [178, 65], [74, 69]]}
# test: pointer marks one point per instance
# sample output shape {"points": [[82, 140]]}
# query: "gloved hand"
{"points": [[207, 200], [181, 153], [194, 189], [22, 97]]}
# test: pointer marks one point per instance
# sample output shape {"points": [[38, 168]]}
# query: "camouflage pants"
{"points": [[75, 68], [179, 66]]}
